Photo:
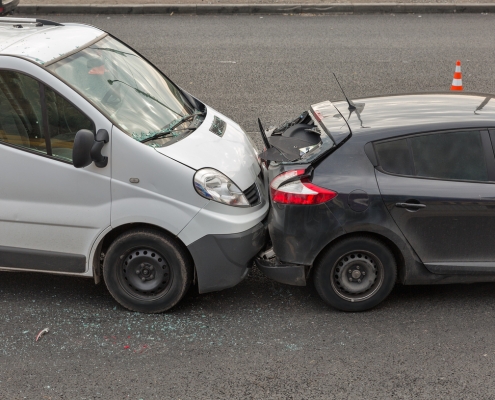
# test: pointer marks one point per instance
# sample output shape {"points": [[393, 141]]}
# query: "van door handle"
{"points": [[410, 205]]}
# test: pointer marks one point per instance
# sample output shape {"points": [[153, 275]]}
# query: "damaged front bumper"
{"points": [[290, 274], [222, 261]]}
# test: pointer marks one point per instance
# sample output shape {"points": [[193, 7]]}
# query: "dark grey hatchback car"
{"points": [[383, 189]]}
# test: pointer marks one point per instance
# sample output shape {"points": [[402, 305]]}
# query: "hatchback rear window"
{"points": [[448, 155]]}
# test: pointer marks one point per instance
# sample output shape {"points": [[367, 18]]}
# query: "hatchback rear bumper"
{"points": [[290, 274], [299, 233]]}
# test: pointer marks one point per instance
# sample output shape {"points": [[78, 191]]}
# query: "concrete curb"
{"points": [[208, 9]]}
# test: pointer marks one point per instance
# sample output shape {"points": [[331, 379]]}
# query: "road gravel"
{"points": [[262, 339]]}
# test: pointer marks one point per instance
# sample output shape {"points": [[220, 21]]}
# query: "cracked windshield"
{"points": [[129, 91]]}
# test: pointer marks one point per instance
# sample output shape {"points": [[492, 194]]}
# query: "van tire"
{"points": [[355, 274], [147, 270]]}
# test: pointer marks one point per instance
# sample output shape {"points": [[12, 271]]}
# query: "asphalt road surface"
{"points": [[263, 339]]}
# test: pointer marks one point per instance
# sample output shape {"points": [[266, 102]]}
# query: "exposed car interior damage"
{"points": [[291, 140]]}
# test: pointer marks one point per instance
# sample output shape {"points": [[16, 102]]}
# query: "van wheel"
{"points": [[355, 274], [147, 271]]}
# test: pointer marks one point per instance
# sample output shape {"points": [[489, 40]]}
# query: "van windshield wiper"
{"points": [[170, 127]]}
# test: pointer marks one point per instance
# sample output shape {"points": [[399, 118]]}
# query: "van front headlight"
{"points": [[213, 185]]}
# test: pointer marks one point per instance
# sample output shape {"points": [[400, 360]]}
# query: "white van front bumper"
{"points": [[223, 240], [222, 261]]}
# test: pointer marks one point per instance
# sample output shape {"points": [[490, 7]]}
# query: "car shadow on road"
{"points": [[256, 291]]}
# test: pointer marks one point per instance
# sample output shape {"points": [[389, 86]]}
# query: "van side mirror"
{"points": [[83, 142], [102, 137], [87, 148]]}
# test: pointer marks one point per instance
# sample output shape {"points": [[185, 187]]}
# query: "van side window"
{"points": [[64, 120], [20, 111], [21, 117], [447, 155]]}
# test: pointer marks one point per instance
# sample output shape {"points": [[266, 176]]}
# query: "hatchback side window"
{"points": [[452, 155], [20, 111], [395, 157], [448, 155]]}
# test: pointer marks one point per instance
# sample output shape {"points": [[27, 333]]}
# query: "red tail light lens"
{"points": [[287, 188]]}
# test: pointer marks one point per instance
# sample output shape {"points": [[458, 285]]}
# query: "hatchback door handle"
{"points": [[410, 205]]}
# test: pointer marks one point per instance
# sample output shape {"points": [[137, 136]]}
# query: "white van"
{"points": [[108, 169]]}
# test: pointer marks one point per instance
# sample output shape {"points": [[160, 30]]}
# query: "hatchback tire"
{"points": [[147, 271], [355, 274]]}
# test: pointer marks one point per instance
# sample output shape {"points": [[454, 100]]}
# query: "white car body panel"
{"points": [[221, 219], [165, 194], [232, 154], [46, 204], [48, 44]]}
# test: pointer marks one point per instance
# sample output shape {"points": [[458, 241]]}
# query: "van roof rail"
{"points": [[38, 22]]}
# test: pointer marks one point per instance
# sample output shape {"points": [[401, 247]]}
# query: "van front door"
{"points": [[50, 212]]}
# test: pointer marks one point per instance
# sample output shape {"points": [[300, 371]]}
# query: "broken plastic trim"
{"points": [[295, 142], [263, 135], [290, 274]]}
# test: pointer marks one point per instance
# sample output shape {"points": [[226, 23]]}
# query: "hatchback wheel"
{"points": [[355, 274], [147, 271]]}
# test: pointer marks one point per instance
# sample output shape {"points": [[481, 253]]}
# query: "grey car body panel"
{"points": [[457, 224], [393, 116], [476, 268], [222, 261], [299, 233], [298, 237], [289, 273], [359, 207]]}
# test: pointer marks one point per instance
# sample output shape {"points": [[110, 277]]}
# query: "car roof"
{"points": [[43, 41], [388, 116]]}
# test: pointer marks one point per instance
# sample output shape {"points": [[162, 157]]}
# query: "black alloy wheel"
{"points": [[147, 271], [355, 274]]}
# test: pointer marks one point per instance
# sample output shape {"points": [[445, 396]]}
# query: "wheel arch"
{"points": [[105, 242], [400, 259]]}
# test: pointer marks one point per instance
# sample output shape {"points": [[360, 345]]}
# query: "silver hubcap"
{"points": [[357, 276]]}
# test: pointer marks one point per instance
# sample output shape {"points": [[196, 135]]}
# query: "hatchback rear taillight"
{"points": [[294, 187]]}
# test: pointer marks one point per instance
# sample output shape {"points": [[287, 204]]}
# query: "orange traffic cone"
{"points": [[457, 81]]}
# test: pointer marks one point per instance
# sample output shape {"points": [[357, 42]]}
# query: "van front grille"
{"points": [[252, 194]]}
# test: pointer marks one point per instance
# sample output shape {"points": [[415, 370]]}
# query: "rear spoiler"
{"points": [[324, 114]]}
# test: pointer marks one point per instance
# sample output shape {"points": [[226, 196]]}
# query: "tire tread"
{"points": [[342, 304], [184, 259]]}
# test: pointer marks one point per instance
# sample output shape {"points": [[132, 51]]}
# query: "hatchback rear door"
{"points": [[440, 190]]}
